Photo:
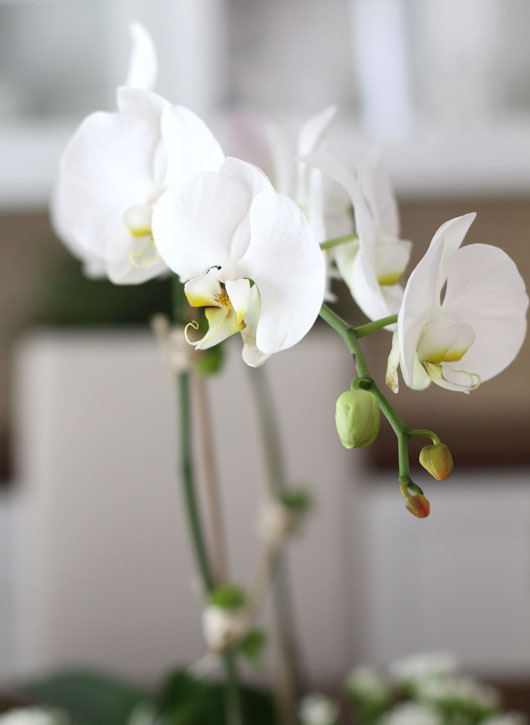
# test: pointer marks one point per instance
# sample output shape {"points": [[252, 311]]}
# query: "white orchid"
{"points": [[325, 205], [373, 264], [462, 319], [116, 167], [316, 709], [246, 253]]}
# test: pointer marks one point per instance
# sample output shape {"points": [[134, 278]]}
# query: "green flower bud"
{"points": [[437, 460], [357, 418]]}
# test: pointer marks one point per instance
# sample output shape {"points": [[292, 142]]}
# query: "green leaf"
{"points": [[89, 698], [187, 701]]}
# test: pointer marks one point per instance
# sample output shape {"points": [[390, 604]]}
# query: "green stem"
{"points": [[364, 330], [330, 243], [232, 696], [424, 433], [349, 335], [281, 594]]}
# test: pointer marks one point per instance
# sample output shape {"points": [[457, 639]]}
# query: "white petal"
{"points": [[194, 222], [255, 181], [391, 261], [420, 304], [436, 338], [313, 129], [391, 377], [344, 256], [287, 265], [250, 354], [221, 325], [143, 65], [239, 293], [486, 291], [105, 170], [377, 191], [138, 102], [334, 168], [369, 295], [204, 291], [452, 234], [188, 144], [121, 271]]}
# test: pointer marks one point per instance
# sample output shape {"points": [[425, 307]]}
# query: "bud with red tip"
{"points": [[437, 460], [415, 501]]}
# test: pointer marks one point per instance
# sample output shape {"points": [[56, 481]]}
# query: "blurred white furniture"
{"points": [[104, 571], [104, 574], [458, 581]]}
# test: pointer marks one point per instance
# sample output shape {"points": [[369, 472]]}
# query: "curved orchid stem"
{"points": [[400, 428], [424, 433], [337, 241], [364, 330], [232, 700]]}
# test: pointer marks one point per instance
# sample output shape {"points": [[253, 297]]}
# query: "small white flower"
{"points": [[116, 167], [33, 716], [366, 684], [464, 690], [318, 710], [423, 667], [411, 713], [462, 319], [247, 255]]}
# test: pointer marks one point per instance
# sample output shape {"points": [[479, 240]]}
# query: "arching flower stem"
{"points": [[424, 433], [366, 381], [364, 330], [337, 241], [180, 316]]}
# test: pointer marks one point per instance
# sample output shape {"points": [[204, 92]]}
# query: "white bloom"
{"points": [[462, 320], [411, 713], [325, 206], [222, 627], [116, 167], [464, 690], [421, 667], [373, 265], [366, 684], [318, 710], [223, 231], [33, 716]]}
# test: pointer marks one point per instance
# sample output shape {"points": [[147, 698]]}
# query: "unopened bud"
{"points": [[437, 460], [418, 505], [357, 418], [415, 502]]}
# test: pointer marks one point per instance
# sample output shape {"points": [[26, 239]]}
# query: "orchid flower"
{"points": [[325, 209], [372, 265], [246, 253], [116, 167], [462, 319]]}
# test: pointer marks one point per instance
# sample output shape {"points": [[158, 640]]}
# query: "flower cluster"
{"points": [[147, 191]]}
